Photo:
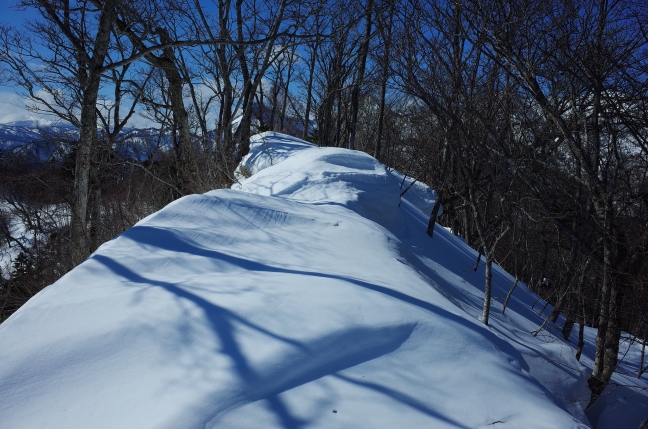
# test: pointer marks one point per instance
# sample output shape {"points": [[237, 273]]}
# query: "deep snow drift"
{"points": [[306, 297]]}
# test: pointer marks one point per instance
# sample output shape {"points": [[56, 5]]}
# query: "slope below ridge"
{"points": [[300, 299]]}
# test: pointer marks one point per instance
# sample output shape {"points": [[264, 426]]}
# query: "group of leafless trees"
{"points": [[529, 118], [540, 116]]}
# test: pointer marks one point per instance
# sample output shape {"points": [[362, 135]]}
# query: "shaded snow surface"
{"points": [[306, 297]]}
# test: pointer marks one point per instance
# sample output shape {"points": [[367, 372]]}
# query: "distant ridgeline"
{"points": [[35, 142]]}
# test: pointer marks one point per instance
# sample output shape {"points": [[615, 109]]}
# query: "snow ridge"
{"points": [[308, 296]]}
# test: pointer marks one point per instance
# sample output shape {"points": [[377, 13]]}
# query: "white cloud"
{"points": [[13, 107], [140, 121]]}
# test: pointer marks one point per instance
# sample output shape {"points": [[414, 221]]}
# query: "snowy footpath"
{"points": [[308, 296]]}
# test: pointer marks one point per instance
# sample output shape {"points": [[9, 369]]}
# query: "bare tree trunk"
{"points": [[467, 227], [437, 202], [567, 328], [325, 120], [188, 176], [434, 214], [562, 294], [570, 278], [260, 97], [641, 369], [90, 78], [309, 90], [477, 261], [581, 340], [251, 83], [228, 90], [597, 381], [487, 289], [383, 83], [95, 211], [582, 310], [508, 296], [603, 320], [338, 121], [80, 194], [612, 337], [362, 62], [274, 91], [291, 58]]}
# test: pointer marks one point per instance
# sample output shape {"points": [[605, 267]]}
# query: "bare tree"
{"points": [[77, 39], [360, 71], [575, 73]]}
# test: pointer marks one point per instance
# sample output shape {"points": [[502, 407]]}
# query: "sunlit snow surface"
{"points": [[306, 297]]}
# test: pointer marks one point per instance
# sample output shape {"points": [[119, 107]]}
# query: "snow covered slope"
{"points": [[306, 297]]}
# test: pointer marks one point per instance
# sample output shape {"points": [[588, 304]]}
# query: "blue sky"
{"points": [[11, 104], [12, 101], [9, 14]]}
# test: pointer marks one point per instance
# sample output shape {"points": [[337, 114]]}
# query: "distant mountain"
{"points": [[17, 134], [39, 141], [142, 143]]}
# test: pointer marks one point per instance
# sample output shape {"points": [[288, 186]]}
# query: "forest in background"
{"points": [[529, 118]]}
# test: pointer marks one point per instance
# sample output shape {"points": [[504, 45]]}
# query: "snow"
{"points": [[624, 404], [308, 296]]}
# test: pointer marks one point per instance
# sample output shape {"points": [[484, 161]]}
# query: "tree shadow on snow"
{"points": [[267, 384]]}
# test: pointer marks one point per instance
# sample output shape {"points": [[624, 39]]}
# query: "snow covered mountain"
{"points": [[304, 297], [32, 138], [40, 141], [17, 134]]}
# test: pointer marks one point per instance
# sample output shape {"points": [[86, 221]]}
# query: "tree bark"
{"points": [[309, 90], [383, 82], [90, 74], [581, 340], [612, 337], [437, 202], [362, 62], [186, 163], [284, 105], [487, 289], [250, 82], [567, 328], [597, 381], [508, 296], [641, 362]]}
